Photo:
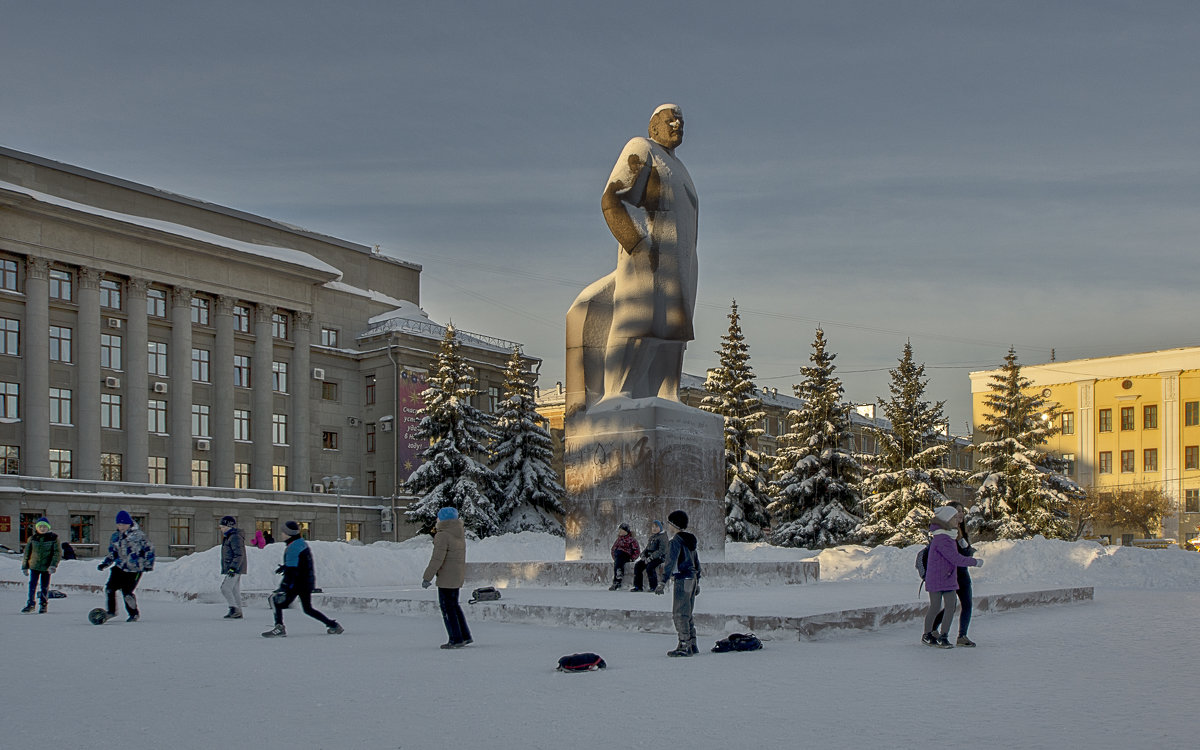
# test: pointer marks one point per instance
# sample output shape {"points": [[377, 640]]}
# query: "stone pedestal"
{"points": [[635, 460]]}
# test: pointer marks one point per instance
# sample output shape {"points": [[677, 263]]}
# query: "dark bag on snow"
{"points": [[738, 642], [585, 662], [485, 594]]}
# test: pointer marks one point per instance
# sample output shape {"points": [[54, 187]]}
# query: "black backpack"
{"points": [[484, 594], [923, 561], [585, 662], [738, 642]]}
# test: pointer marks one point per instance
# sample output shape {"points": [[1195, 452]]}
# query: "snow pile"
{"points": [[1010, 564]]}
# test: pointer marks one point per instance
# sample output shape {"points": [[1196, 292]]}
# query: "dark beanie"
{"points": [[678, 519], [229, 521], [291, 528], [124, 517]]}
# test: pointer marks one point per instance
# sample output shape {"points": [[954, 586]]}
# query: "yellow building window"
{"points": [[1150, 459], [1105, 462], [1191, 413], [1105, 420], [1191, 457], [1150, 417], [1126, 418], [1127, 462], [1068, 423]]}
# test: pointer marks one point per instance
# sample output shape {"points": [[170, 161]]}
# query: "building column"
{"points": [[137, 383], [1086, 425], [1171, 433], [222, 409], [179, 403], [86, 460], [35, 406], [262, 399], [301, 439]]}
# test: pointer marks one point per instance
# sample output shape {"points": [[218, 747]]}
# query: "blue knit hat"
{"points": [[124, 517], [657, 523], [447, 514], [43, 521]]}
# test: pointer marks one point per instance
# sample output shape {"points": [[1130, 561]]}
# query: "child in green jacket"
{"points": [[41, 558]]}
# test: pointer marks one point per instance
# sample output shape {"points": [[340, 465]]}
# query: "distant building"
{"points": [[184, 360], [1128, 421]]}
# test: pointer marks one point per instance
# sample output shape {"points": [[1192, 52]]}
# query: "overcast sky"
{"points": [[967, 176]]}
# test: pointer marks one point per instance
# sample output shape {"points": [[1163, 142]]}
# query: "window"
{"points": [[158, 469], [329, 391], [199, 472], [241, 424], [200, 414], [279, 378], [157, 413], [329, 441], [371, 438], [1191, 501], [1191, 414], [241, 318], [82, 529], [27, 521], [329, 337], [10, 459], [60, 406], [110, 411], [1150, 417], [156, 361], [1069, 468], [279, 325], [1105, 420], [110, 294], [1126, 418], [181, 531], [110, 467], [241, 476], [370, 390], [60, 344], [371, 483], [493, 399], [9, 399], [1105, 462], [8, 274], [1191, 456], [156, 303], [266, 527], [110, 351], [241, 371], [279, 482], [1127, 462], [1068, 423], [1150, 459], [61, 284], [200, 310], [60, 464], [200, 360], [279, 429], [353, 531], [10, 336]]}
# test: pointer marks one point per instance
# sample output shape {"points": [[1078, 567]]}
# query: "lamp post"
{"points": [[338, 484]]}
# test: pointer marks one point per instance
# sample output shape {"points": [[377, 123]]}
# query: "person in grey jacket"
{"points": [[652, 556], [682, 566], [233, 565]]}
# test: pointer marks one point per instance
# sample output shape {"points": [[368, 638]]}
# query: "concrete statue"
{"points": [[633, 452]]}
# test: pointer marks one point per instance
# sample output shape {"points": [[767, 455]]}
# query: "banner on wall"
{"points": [[411, 385]]}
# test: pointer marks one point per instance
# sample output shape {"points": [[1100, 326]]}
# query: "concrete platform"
{"points": [[598, 573]]}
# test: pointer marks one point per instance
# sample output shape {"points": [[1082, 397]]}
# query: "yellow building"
{"points": [[1128, 421]]}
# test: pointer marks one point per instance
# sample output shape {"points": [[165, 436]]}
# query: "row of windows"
{"points": [[112, 469], [1191, 418], [1128, 463], [83, 528]]}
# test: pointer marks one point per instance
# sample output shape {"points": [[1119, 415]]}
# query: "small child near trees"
{"points": [[624, 549]]}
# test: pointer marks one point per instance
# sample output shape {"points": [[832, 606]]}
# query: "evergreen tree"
{"points": [[815, 499], [1022, 491], [907, 483], [522, 456], [453, 472], [734, 397]]}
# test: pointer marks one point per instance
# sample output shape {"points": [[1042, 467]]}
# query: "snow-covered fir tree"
{"points": [[814, 496], [454, 470], [906, 483], [522, 455], [734, 396], [1022, 490]]}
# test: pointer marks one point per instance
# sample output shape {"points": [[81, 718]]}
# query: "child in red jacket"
{"points": [[624, 549]]}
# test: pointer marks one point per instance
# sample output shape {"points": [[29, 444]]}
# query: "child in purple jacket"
{"points": [[941, 574]]}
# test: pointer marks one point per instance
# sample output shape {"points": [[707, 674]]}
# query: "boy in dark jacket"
{"points": [[683, 567], [299, 580], [652, 557], [624, 549], [40, 560], [131, 554], [233, 565]]}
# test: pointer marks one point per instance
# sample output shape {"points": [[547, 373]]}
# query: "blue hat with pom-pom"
{"points": [[447, 514]]}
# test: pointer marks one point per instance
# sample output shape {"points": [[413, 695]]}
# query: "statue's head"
{"points": [[666, 125]]}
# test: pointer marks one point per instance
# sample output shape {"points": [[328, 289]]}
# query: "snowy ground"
{"points": [[1107, 674]]}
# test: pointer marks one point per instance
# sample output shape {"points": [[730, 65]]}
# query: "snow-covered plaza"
{"points": [[1110, 673]]}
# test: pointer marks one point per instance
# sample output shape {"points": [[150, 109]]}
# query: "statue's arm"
{"points": [[627, 187]]}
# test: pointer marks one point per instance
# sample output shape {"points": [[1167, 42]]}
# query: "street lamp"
{"points": [[338, 484]]}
